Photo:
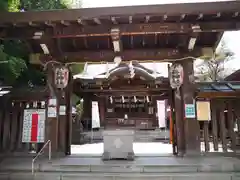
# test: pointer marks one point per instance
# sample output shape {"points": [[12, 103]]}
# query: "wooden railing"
{"points": [[221, 133]]}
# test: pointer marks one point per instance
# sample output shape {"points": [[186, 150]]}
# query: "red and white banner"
{"points": [[33, 126]]}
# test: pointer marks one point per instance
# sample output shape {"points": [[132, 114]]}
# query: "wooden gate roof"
{"points": [[153, 32]]}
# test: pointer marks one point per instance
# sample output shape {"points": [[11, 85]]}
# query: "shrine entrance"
{"points": [[128, 93], [119, 100]]}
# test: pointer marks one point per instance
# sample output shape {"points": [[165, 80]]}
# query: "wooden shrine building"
{"points": [[121, 95], [128, 36]]}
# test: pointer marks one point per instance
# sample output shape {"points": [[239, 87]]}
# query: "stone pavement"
{"points": [[161, 168]]}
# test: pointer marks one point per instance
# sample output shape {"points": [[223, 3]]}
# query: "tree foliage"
{"points": [[11, 67], [29, 5], [13, 5], [3, 5], [76, 68], [14, 59], [213, 68]]}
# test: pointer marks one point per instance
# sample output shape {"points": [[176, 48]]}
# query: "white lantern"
{"points": [[61, 77], [176, 76]]}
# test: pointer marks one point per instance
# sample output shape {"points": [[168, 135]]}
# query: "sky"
{"points": [[231, 38]]}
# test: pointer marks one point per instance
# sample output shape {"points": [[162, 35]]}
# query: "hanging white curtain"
{"points": [[95, 115], [161, 113]]}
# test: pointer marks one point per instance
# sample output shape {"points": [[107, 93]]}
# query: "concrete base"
{"points": [[107, 156], [118, 144]]}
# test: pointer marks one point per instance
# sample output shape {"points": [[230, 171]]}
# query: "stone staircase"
{"points": [[151, 136], [157, 168], [140, 136]]}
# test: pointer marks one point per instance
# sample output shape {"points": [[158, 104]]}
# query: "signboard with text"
{"points": [[190, 111], [34, 126]]}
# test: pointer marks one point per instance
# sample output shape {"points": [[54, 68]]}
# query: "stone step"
{"points": [[119, 176], [144, 168], [140, 136], [161, 168], [122, 168]]}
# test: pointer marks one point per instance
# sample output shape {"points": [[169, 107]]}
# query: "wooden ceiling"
{"points": [[154, 32]]}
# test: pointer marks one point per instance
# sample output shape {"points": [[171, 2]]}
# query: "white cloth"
{"points": [[95, 115], [161, 113]]}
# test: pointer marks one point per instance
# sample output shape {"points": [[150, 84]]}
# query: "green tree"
{"points": [[13, 5], [11, 67], [14, 58], [76, 68], [213, 67], [30, 5], [3, 5]]}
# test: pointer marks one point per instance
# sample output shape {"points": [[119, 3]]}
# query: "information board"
{"points": [[34, 126], [190, 111], [203, 111]]}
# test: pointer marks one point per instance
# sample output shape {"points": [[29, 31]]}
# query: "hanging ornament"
{"points": [[111, 99], [123, 100], [42, 104], [131, 70], [176, 76], [35, 104], [61, 77], [135, 99]]}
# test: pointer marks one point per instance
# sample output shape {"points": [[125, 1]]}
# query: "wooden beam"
{"points": [[126, 55], [147, 18], [114, 21], [132, 94], [74, 30], [182, 17], [213, 95], [74, 14], [219, 38], [166, 88], [97, 21], [192, 41], [65, 23], [116, 40], [80, 21], [50, 24]]}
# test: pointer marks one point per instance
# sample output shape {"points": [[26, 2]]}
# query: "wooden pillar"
{"points": [[214, 124], [173, 128], [206, 135], [154, 115], [237, 121], [6, 128], [51, 125], [68, 132], [62, 123], [58, 129], [1, 127], [179, 128], [192, 130], [102, 110], [87, 107], [223, 132], [14, 125], [230, 120], [52, 133], [20, 127]]}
